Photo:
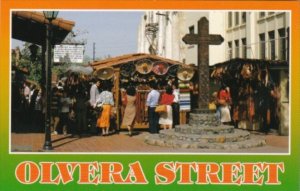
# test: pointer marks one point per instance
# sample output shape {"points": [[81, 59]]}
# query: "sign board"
{"points": [[68, 53]]}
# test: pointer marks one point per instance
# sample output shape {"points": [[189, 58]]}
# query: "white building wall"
{"points": [[168, 36], [192, 21], [251, 36], [173, 26], [175, 36], [217, 26], [161, 36]]}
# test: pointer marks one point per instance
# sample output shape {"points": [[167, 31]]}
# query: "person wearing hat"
{"points": [[151, 103]]}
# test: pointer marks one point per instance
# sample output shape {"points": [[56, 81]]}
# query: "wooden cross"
{"points": [[203, 39]]}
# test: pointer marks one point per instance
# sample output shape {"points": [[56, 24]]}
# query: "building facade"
{"points": [[161, 33], [254, 35], [258, 35], [261, 35]]}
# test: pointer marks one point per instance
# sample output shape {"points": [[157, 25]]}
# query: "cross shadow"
{"points": [[75, 138], [60, 139]]}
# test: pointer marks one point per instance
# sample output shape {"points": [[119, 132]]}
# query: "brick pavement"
{"points": [[33, 142]]}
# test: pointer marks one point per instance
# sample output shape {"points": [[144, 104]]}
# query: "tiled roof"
{"points": [[39, 17], [30, 26]]}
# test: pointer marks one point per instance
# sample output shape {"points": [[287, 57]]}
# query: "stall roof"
{"points": [[119, 60], [270, 63], [30, 26]]}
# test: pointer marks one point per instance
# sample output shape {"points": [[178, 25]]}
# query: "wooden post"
{"points": [[117, 96]]}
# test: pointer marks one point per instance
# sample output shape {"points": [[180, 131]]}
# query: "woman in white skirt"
{"points": [[224, 100], [166, 118]]}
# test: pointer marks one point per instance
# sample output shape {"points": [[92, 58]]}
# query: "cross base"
{"points": [[203, 111]]}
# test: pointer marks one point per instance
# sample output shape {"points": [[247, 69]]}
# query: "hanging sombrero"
{"points": [[173, 70], [104, 73], [144, 66], [160, 68], [185, 73], [127, 70]]}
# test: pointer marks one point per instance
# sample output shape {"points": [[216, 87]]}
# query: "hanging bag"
{"points": [[161, 109]]}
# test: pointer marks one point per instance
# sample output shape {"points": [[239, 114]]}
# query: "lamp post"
{"points": [[49, 15]]}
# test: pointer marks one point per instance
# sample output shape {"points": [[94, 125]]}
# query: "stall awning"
{"points": [[30, 26], [262, 62], [115, 61]]}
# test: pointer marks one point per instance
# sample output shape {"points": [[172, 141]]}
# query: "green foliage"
{"points": [[33, 65], [60, 69]]}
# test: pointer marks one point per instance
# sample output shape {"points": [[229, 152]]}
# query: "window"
{"points": [[230, 50], [271, 13], [237, 48], [244, 17], [282, 44], [192, 29], [262, 46], [262, 14], [244, 48], [272, 45], [229, 19], [237, 21]]}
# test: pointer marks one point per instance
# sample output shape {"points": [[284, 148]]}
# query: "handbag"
{"points": [[124, 99], [99, 107], [161, 109]]}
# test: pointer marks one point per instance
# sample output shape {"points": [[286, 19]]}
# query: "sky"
{"points": [[113, 32]]}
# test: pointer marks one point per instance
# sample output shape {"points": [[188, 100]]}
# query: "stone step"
{"points": [[154, 139], [236, 136], [204, 130], [202, 115], [203, 119]]}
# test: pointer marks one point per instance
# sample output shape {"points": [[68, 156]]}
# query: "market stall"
{"points": [[139, 70], [259, 91]]}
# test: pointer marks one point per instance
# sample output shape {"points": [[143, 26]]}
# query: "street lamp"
{"points": [[49, 15]]}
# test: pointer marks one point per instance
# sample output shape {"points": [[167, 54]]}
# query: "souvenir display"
{"points": [[104, 73], [185, 96], [144, 66], [127, 70], [185, 73], [160, 68], [250, 87], [173, 70]]}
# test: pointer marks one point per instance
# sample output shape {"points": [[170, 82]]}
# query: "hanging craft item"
{"points": [[246, 71], [218, 72], [185, 73], [185, 96], [104, 73], [173, 70], [160, 68], [127, 70], [144, 66]]}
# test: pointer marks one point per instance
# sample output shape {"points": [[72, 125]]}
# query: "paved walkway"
{"points": [[122, 143]]}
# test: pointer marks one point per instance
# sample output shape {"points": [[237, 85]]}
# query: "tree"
{"points": [[32, 64]]}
